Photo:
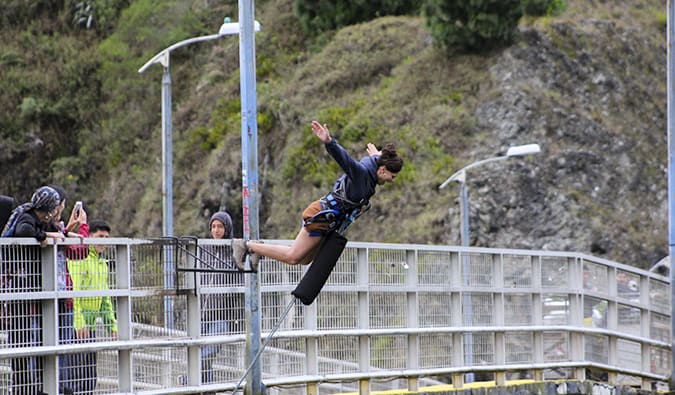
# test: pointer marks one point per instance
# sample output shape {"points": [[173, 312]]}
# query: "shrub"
{"points": [[318, 16], [543, 7], [472, 25]]}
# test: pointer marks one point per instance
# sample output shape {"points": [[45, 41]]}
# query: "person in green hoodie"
{"points": [[89, 271]]}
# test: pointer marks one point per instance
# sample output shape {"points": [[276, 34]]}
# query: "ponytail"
{"points": [[390, 159]]}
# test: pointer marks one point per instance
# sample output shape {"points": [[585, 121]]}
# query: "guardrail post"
{"points": [[412, 318], [311, 348], [456, 285], [362, 278], [50, 322], [124, 307], [194, 316]]}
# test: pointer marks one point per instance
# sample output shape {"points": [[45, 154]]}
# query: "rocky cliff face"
{"points": [[593, 96]]}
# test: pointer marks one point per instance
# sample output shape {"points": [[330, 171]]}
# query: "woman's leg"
{"points": [[302, 251]]}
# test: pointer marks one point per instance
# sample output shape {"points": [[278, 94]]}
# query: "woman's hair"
{"points": [[390, 159]]}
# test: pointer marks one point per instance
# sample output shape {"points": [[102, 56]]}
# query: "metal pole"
{"points": [[466, 268], [671, 180], [464, 208], [249, 142], [167, 190], [167, 185]]}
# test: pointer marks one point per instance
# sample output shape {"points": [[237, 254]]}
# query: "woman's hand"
{"points": [[322, 132], [372, 150]]}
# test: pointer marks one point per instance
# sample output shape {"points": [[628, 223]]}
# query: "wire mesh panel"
{"points": [[659, 360], [338, 354], [629, 319], [478, 308], [285, 357], [481, 347], [629, 354], [433, 268], [659, 327], [596, 348], [273, 304], [337, 310], [21, 268], [5, 377], [221, 363], [387, 267], [344, 272], [480, 271], [221, 294], [388, 352], [147, 266], [435, 309], [222, 311], [436, 350], [157, 368], [556, 346], [555, 309], [100, 373], [554, 272], [595, 277], [628, 285], [517, 271], [517, 309], [595, 312], [659, 294], [278, 273], [150, 313], [387, 309], [519, 347]]}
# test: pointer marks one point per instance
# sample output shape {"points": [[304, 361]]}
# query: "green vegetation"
{"points": [[326, 15], [75, 111], [472, 25]]}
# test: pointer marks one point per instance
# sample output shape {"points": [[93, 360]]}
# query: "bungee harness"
{"points": [[337, 211]]}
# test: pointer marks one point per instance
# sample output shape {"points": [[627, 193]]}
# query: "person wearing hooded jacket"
{"points": [[222, 312], [30, 219]]}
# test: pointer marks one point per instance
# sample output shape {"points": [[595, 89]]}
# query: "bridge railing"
{"points": [[390, 316]]}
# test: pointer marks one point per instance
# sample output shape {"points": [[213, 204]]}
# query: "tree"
{"points": [[472, 25]]}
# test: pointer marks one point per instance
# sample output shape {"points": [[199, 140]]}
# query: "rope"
{"points": [[267, 341]]}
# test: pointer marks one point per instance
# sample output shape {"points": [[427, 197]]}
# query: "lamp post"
{"points": [[227, 28], [460, 177]]}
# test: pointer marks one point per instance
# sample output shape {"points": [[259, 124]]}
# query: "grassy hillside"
{"points": [[588, 85]]}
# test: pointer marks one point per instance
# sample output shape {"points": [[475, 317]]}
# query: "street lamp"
{"points": [[227, 28], [460, 176]]}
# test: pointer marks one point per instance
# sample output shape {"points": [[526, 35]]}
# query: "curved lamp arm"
{"points": [[163, 56], [520, 150]]}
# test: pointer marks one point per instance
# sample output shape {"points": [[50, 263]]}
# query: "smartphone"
{"points": [[78, 207]]}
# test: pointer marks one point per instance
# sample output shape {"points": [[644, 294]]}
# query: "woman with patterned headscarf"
{"points": [[23, 316], [31, 219]]}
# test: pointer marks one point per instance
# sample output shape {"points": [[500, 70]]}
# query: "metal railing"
{"points": [[390, 316]]}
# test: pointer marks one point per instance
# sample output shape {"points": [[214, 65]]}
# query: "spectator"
{"points": [[64, 283], [221, 312], [7, 204], [24, 316], [89, 271]]}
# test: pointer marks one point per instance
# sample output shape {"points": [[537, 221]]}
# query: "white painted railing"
{"points": [[390, 316]]}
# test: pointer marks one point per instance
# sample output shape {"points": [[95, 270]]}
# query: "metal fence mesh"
{"points": [[405, 289]]}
